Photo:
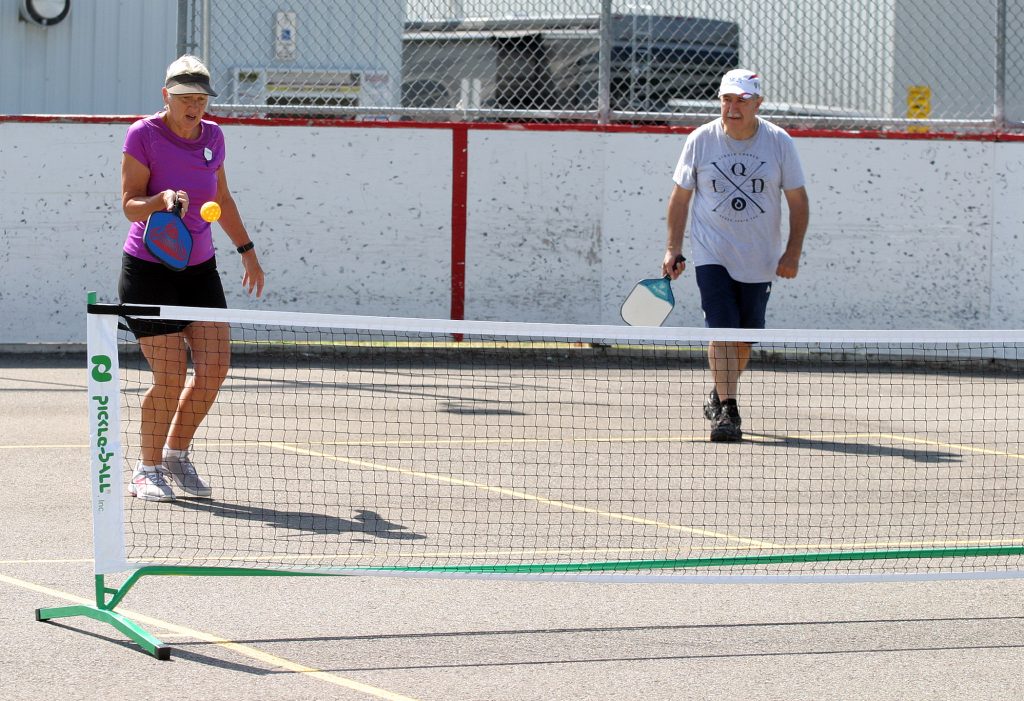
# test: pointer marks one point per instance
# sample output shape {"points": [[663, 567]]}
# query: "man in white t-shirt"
{"points": [[734, 171]]}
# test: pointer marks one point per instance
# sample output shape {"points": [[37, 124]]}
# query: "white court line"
{"points": [[246, 650]]}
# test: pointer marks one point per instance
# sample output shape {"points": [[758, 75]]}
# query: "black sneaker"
{"points": [[712, 406], [726, 426]]}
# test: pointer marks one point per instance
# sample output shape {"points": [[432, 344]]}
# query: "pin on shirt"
{"points": [[208, 155]]}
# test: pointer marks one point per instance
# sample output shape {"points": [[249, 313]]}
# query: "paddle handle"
{"points": [[679, 259]]}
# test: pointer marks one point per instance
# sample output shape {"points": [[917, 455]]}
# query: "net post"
{"points": [[106, 456], [105, 477]]}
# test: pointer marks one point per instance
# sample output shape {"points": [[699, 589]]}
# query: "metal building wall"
{"points": [[107, 57]]}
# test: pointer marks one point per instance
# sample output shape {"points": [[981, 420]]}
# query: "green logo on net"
{"points": [[100, 407]]}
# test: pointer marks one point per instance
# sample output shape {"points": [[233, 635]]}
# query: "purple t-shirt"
{"points": [[177, 164]]}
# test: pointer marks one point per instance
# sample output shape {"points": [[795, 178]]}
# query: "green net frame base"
{"points": [[108, 598]]}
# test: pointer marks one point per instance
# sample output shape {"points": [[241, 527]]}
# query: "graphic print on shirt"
{"points": [[739, 190]]}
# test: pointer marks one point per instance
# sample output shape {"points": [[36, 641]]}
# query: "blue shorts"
{"points": [[729, 304]]}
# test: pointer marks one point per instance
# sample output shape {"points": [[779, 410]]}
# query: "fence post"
{"points": [[182, 27], [204, 49], [604, 65], [999, 111]]}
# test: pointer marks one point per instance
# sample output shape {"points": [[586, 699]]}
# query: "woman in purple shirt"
{"points": [[175, 156]]}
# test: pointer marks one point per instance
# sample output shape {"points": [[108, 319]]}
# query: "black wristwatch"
{"points": [[246, 247]]}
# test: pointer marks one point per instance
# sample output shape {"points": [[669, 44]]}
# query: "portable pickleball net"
{"points": [[342, 445]]}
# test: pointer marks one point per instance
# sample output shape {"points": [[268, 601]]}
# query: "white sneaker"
{"points": [[184, 474], [150, 484]]}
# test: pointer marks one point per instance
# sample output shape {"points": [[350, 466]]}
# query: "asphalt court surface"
{"points": [[433, 639]]}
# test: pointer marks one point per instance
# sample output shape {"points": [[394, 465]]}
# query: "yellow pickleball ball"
{"points": [[210, 211]]}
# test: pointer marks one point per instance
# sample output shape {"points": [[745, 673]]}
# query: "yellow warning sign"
{"points": [[919, 106]]}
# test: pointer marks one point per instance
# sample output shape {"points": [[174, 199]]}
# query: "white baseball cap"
{"points": [[740, 82]]}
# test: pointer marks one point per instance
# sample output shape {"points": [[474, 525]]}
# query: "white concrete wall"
{"points": [[904, 233], [353, 221]]}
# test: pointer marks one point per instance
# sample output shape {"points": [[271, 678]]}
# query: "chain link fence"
{"points": [[898, 65]]}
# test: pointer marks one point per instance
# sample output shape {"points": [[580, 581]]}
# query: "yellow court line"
{"points": [[446, 442], [431, 441], [954, 446], [674, 553], [900, 438], [624, 517], [603, 439], [514, 493], [753, 438], [239, 648], [522, 552], [55, 561]]}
